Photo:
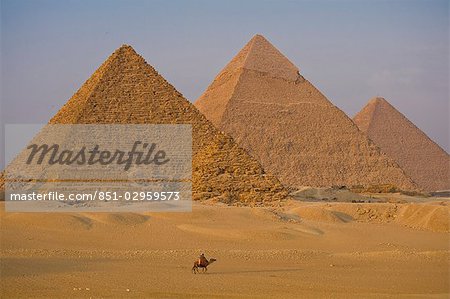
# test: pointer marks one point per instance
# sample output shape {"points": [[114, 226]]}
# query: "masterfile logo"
{"points": [[99, 168]]}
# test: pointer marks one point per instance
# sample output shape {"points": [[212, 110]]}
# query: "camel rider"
{"points": [[202, 259]]}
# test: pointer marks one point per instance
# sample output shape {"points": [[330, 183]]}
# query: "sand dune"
{"points": [[48, 221], [428, 216], [431, 217], [118, 218], [321, 213]]}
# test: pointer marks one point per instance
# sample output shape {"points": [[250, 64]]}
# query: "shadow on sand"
{"points": [[253, 271]]}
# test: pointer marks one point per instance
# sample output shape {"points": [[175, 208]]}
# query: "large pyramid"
{"points": [[422, 159], [264, 103], [127, 90]]}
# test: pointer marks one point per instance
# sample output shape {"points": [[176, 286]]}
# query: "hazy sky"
{"points": [[350, 50]]}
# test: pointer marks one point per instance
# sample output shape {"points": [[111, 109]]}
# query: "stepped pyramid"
{"points": [[264, 103], [422, 159], [127, 90]]}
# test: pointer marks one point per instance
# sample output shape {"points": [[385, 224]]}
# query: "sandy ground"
{"points": [[312, 249]]}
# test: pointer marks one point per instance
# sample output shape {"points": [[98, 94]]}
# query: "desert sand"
{"points": [[398, 247]]}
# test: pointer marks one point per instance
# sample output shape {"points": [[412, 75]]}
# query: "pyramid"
{"points": [[422, 159], [271, 110], [127, 90]]}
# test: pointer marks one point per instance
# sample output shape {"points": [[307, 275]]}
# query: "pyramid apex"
{"points": [[125, 49], [377, 100], [260, 55], [259, 36], [125, 54], [126, 46]]}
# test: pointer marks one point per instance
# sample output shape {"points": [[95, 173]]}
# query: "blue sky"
{"points": [[350, 50]]}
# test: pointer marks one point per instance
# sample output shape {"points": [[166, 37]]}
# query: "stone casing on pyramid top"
{"points": [[296, 133], [421, 158], [127, 90]]}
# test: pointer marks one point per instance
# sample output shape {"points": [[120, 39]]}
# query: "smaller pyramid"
{"points": [[421, 158]]}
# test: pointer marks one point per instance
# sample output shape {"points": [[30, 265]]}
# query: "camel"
{"points": [[203, 265]]}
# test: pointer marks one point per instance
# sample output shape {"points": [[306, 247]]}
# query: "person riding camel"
{"points": [[202, 260]]}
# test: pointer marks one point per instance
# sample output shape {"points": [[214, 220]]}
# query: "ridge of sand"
{"points": [[127, 90], [420, 157], [423, 216], [291, 127]]}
